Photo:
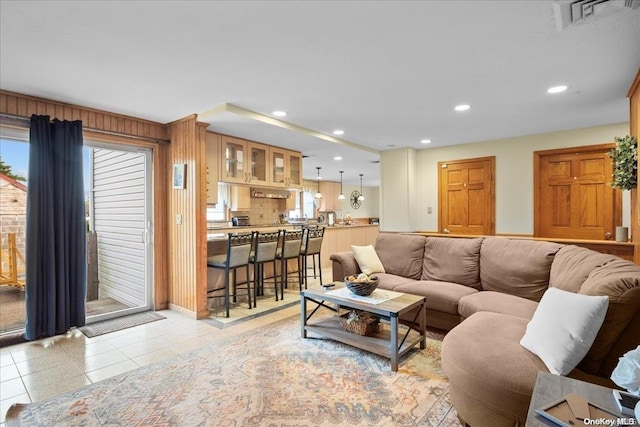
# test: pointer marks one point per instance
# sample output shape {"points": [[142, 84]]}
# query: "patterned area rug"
{"points": [[266, 377], [106, 326]]}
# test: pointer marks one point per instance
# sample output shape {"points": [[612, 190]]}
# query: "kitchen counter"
{"points": [[338, 238]]}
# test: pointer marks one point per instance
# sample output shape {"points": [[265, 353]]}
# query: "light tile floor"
{"points": [[46, 368]]}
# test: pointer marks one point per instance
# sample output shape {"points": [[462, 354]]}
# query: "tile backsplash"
{"points": [[264, 211]]}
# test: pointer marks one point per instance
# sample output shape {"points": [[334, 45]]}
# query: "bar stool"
{"points": [[312, 243], [289, 249], [238, 251], [265, 248]]}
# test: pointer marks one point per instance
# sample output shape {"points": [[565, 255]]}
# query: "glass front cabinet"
{"points": [[234, 166], [259, 168], [295, 169], [286, 168], [246, 162]]}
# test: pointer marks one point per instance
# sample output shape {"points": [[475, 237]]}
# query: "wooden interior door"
{"points": [[467, 196], [573, 198]]}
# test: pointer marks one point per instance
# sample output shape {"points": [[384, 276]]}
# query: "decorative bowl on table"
{"points": [[362, 284]]}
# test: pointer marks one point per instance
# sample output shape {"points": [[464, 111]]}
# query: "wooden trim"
{"points": [[190, 117], [634, 85], [20, 105], [634, 130], [624, 250], [536, 192], [474, 159], [580, 149]]}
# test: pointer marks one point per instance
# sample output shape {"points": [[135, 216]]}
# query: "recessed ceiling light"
{"points": [[337, 158], [557, 89], [338, 132], [279, 113], [425, 141], [463, 107]]}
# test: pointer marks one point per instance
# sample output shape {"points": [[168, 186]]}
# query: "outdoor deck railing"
{"points": [[11, 263]]}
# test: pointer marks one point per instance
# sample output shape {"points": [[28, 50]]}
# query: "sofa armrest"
{"points": [[344, 264]]}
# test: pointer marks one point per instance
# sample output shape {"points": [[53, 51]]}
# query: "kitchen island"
{"points": [[338, 238]]}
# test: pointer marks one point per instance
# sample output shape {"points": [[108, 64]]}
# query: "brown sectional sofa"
{"points": [[485, 291]]}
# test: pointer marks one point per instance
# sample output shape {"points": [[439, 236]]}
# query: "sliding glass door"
{"points": [[118, 200], [120, 222]]}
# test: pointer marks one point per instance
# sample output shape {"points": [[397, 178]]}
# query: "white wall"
{"points": [[514, 174], [369, 208], [398, 193]]}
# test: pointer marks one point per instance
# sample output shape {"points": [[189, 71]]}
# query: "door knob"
{"points": [[446, 231], [607, 235]]}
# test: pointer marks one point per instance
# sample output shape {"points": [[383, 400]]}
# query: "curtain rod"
{"points": [[25, 120]]}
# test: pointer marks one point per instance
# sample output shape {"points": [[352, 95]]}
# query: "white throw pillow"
{"points": [[367, 259], [563, 328]]}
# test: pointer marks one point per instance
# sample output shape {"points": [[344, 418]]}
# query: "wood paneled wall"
{"points": [[24, 106], [187, 249], [140, 131], [634, 129]]}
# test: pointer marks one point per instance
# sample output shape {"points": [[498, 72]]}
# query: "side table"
{"points": [[551, 387]]}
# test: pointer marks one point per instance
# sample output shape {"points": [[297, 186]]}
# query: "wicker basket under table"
{"points": [[364, 326]]}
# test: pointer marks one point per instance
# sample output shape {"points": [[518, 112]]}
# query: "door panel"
{"points": [[573, 197], [121, 222], [466, 198]]}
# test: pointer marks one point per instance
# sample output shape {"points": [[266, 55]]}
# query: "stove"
{"points": [[240, 221]]}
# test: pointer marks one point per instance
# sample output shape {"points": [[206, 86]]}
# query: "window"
{"points": [[219, 211]]}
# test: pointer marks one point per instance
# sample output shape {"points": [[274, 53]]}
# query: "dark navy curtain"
{"points": [[56, 264]]}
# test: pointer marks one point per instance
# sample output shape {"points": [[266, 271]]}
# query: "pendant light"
{"points": [[361, 197], [341, 196], [318, 194]]}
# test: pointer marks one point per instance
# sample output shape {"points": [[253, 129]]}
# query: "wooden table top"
{"points": [[398, 305]]}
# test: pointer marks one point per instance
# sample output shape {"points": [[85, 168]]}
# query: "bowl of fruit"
{"points": [[362, 284]]}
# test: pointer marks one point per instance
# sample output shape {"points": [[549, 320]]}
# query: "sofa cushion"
{"points": [[441, 296], [367, 259], [448, 259], [620, 281], [516, 266], [391, 281], [572, 264], [401, 254], [482, 357], [563, 328], [496, 302]]}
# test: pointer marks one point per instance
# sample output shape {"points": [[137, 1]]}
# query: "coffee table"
{"points": [[385, 342]]}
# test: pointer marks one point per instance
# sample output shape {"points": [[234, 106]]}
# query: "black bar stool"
{"points": [[238, 252], [265, 248], [289, 249], [312, 243]]}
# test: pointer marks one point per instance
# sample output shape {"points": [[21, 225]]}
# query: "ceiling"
{"points": [[386, 72]]}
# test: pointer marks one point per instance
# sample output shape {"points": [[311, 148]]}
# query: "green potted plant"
{"points": [[625, 171], [625, 163]]}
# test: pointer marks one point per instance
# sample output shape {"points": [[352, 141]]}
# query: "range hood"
{"points": [[269, 193]]}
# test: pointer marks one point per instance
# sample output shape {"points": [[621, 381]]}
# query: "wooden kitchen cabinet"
{"points": [[259, 164], [295, 169], [279, 167], [330, 191], [240, 198], [213, 169], [286, 168], [247, 162], [234, 157], [290, 203]]}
